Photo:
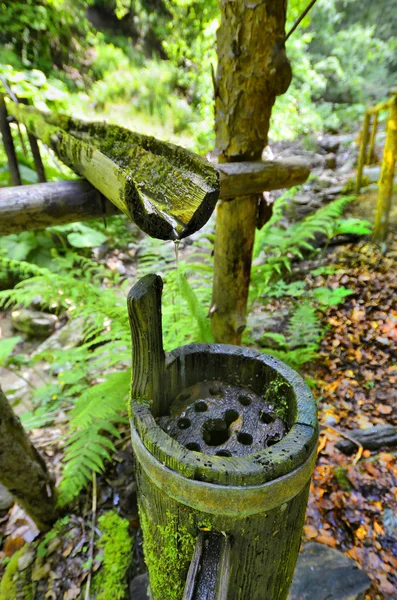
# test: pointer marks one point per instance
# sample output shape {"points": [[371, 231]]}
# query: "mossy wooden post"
{"points": [[217, 524], [8, 142], [252, 70], [387, 177], [363, 151], [23, 471], [371, 154]]}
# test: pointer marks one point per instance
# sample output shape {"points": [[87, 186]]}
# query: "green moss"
{"points": [[110, 582], [341, 477], [168, 552], [276, 393], [16, 584]]}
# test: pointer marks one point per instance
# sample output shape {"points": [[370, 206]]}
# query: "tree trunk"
{"points": [[23, 471], [253, 69]]}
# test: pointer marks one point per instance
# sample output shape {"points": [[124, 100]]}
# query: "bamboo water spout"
{"points": [[166, 190], [225, 442]]}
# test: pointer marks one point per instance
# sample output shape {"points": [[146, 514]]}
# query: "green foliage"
{"points": [[45, 33], [116, 544], [301, 342], [7, 346], [94, 415]]}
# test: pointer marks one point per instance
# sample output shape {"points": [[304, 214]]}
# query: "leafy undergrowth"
{"points": [[353, 507]]}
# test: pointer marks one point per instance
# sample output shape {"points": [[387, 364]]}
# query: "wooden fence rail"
{"points": [[388, 162]]}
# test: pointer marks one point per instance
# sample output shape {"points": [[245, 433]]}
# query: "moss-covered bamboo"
{"points": [[257, 501], [23, 471], [168, 191]]}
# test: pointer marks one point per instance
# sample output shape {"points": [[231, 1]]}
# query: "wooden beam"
{"points": [[32, 207], [166, 190], [246, 178]]}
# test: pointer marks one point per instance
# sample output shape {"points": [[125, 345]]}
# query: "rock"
{"points": [[323, 573], [25, 560], [67, 337], [6, 499], [139, 587], [330, 160], [328, 143], [372, 174], [33, 322], [302, 199]]}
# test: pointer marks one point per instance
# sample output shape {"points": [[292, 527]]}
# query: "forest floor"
{"points": [[353, 499]]}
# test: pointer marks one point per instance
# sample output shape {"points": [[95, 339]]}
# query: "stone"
{"points": [[33, 322], [67, 337], [6, 499], [25, 560], [139, 587], [323, 573], [330, 160]]}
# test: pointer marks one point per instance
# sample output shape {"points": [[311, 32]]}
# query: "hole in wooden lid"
{"points": [[244, 438], [193, 446]]}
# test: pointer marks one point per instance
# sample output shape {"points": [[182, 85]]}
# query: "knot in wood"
{"points": [[223, 420]]}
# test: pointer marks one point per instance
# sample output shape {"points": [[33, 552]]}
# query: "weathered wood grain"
{"points": [[148, 358]]}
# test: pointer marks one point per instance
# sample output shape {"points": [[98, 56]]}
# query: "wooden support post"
{"points": [[23, 471], [9, 144], [252, 70], [370, 156], [363, 151], [217, 524], [387, 177], [38, 163]]}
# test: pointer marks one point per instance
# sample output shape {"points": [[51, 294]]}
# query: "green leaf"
{"points": [[86, 238], [7, 346]]}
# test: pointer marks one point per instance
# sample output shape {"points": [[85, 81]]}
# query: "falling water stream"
{"points": [[178, 307]]}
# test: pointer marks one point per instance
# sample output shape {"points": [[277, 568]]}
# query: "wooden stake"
{"points": [[232, 267], [38, 163], [363, 151], [387, 177], [148, 358], [9, 144], [370, 156]]}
